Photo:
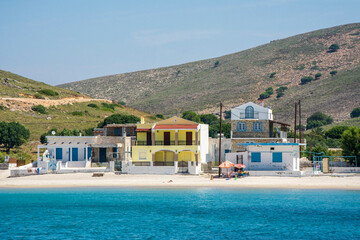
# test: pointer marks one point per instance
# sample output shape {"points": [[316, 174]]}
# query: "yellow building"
{"points": [[174, 145]]}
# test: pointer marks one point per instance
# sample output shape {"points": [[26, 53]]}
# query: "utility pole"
{"points": [[300, 129], [220, 138], [295, 122]]}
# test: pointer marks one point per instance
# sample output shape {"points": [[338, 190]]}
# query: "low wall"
{"points": [[345, 169], [276, 173], [4, 166], [76, 164], [165, 170]]}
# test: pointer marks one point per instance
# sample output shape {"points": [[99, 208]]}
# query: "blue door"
{"points": [[102, 154], [59, 153], [75, 154]]}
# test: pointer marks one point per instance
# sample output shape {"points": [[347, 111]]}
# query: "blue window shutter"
{"points": [[89, 152], [238, 127], [256, 157], [277, 156], [257, 126], [117, 131], [58, 153]]}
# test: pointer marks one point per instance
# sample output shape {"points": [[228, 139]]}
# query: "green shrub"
{"points": [[281, 89], [122, 103], [336, 132], [264, 95], [318, 119], [108, 106], [307, 79], [317, 76], [77, 113], [272, 75], [334, 47], [314, 68], [152, 117], [48, 92], [300, 67], [3, 107], [355, 113], [333, 73], [160, 116], [38, 96], [270, 90], [216, 64], [93, 105], [280, 94], [119, 119], [39, 108]]}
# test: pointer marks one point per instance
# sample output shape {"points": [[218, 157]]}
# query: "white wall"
{"points": [[204, 142], [238, 113]]}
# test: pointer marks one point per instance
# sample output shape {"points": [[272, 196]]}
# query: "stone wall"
{"points": [[249, 133]]}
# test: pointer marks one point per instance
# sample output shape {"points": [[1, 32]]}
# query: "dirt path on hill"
{"points": [[25, 104]]}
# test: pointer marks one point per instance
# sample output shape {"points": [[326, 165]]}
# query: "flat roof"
{"points": [[268, 144]]}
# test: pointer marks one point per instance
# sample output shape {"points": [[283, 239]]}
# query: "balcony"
{"points": [[167, 143], [243, 116]]}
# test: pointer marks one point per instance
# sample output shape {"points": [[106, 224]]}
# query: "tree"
{"points": [[350, 143], [317, 76], [270, 90], [307, 79], [272, 75], [355, 113], [227, 114], [264, 95], [281, 89], [215, 129], [280, 94], [192, 116], [336, 132], [119, 119], [318, 119], [39, 108], [334, 47], [209, 119], [12, 135], [333, 73], [160, 116], [216, 64]]}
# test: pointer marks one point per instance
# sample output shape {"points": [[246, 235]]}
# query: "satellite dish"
{"points": [[53, 133]]}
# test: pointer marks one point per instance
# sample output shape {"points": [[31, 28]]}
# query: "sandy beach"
{"points": [[348, 182]]}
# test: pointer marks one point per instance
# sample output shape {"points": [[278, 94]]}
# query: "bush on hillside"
{"points": [[209, 119], [119, 119], [161, 116], [334, 47], [318, 119], [38, 96], [264, 95], [281, 89], [270, 90], [317, 76], [307, 79], [48, 92], [272, 75], [191, 116], [333, 73], [39, 108], [280, 94], [355, 112], [93, 105], [77, 113]]}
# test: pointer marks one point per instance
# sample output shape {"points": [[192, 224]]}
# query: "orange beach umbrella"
{"points": [[240, 165], [226, 164]]}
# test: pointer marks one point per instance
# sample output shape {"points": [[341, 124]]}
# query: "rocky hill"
{"points": [[243, 76]]}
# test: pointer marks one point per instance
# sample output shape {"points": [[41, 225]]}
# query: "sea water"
{"points": [[113, 213]]}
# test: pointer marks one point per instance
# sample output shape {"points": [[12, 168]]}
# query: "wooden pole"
{"points": [[220, 138], [295, 122]]}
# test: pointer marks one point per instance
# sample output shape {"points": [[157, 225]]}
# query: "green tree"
{"points": [[280, 94], [318, 119], [12, 135], [334, 47], [119, 119], [350, 143], [192, 116], [317, 76], [215, 129], [209, 119], [281, 89], [227, 114], [161, 116], [336, 132], [264, 95], [307, 79], [355, 113], [270, 90], [39, 108], [333, 73]]}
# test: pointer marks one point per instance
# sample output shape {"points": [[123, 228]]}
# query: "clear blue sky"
{"points": [[63, 41]]}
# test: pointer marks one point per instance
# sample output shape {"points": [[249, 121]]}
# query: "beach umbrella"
{"points": [[226, 164], [240, 165]]}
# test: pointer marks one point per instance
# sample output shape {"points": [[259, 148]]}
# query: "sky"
{"points": [[70, 40]]}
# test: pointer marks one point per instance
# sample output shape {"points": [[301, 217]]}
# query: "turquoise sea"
{"points": [[113, 213]]}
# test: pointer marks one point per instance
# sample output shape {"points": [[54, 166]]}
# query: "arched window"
{"points": [[249, 112]]}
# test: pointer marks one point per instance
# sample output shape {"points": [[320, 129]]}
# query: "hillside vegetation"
{"points": [[243, 76]]}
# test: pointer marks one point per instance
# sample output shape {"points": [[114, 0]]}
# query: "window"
{"points": [[117, 132], [241, 127], [255, 157], [249, 112], [115, 152], [272, 148], [227, 150], [257, 126], [277, 157], [142, 155]]}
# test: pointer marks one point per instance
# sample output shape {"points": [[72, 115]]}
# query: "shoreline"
{"points": [[111, 180]]}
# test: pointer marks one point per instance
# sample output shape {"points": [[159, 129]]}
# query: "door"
{"points": [[102, 155], [148, 138], [59, 153], [188, 138], [183, 167], [75, 154], [166, 138]]}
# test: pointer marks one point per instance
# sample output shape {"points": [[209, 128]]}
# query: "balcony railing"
{"points": [[167, 143], [246, 116], [156, 163]]}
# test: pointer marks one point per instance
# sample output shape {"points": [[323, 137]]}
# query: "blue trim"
{"points": [[277, 157], [75, 154], [268, 144], [242, 128], [117, 132], [257, 128], [89, 152], [59, 153], [256, 157]]}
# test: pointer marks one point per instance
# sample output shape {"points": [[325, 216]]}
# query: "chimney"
{"points": [[142, 120]]}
